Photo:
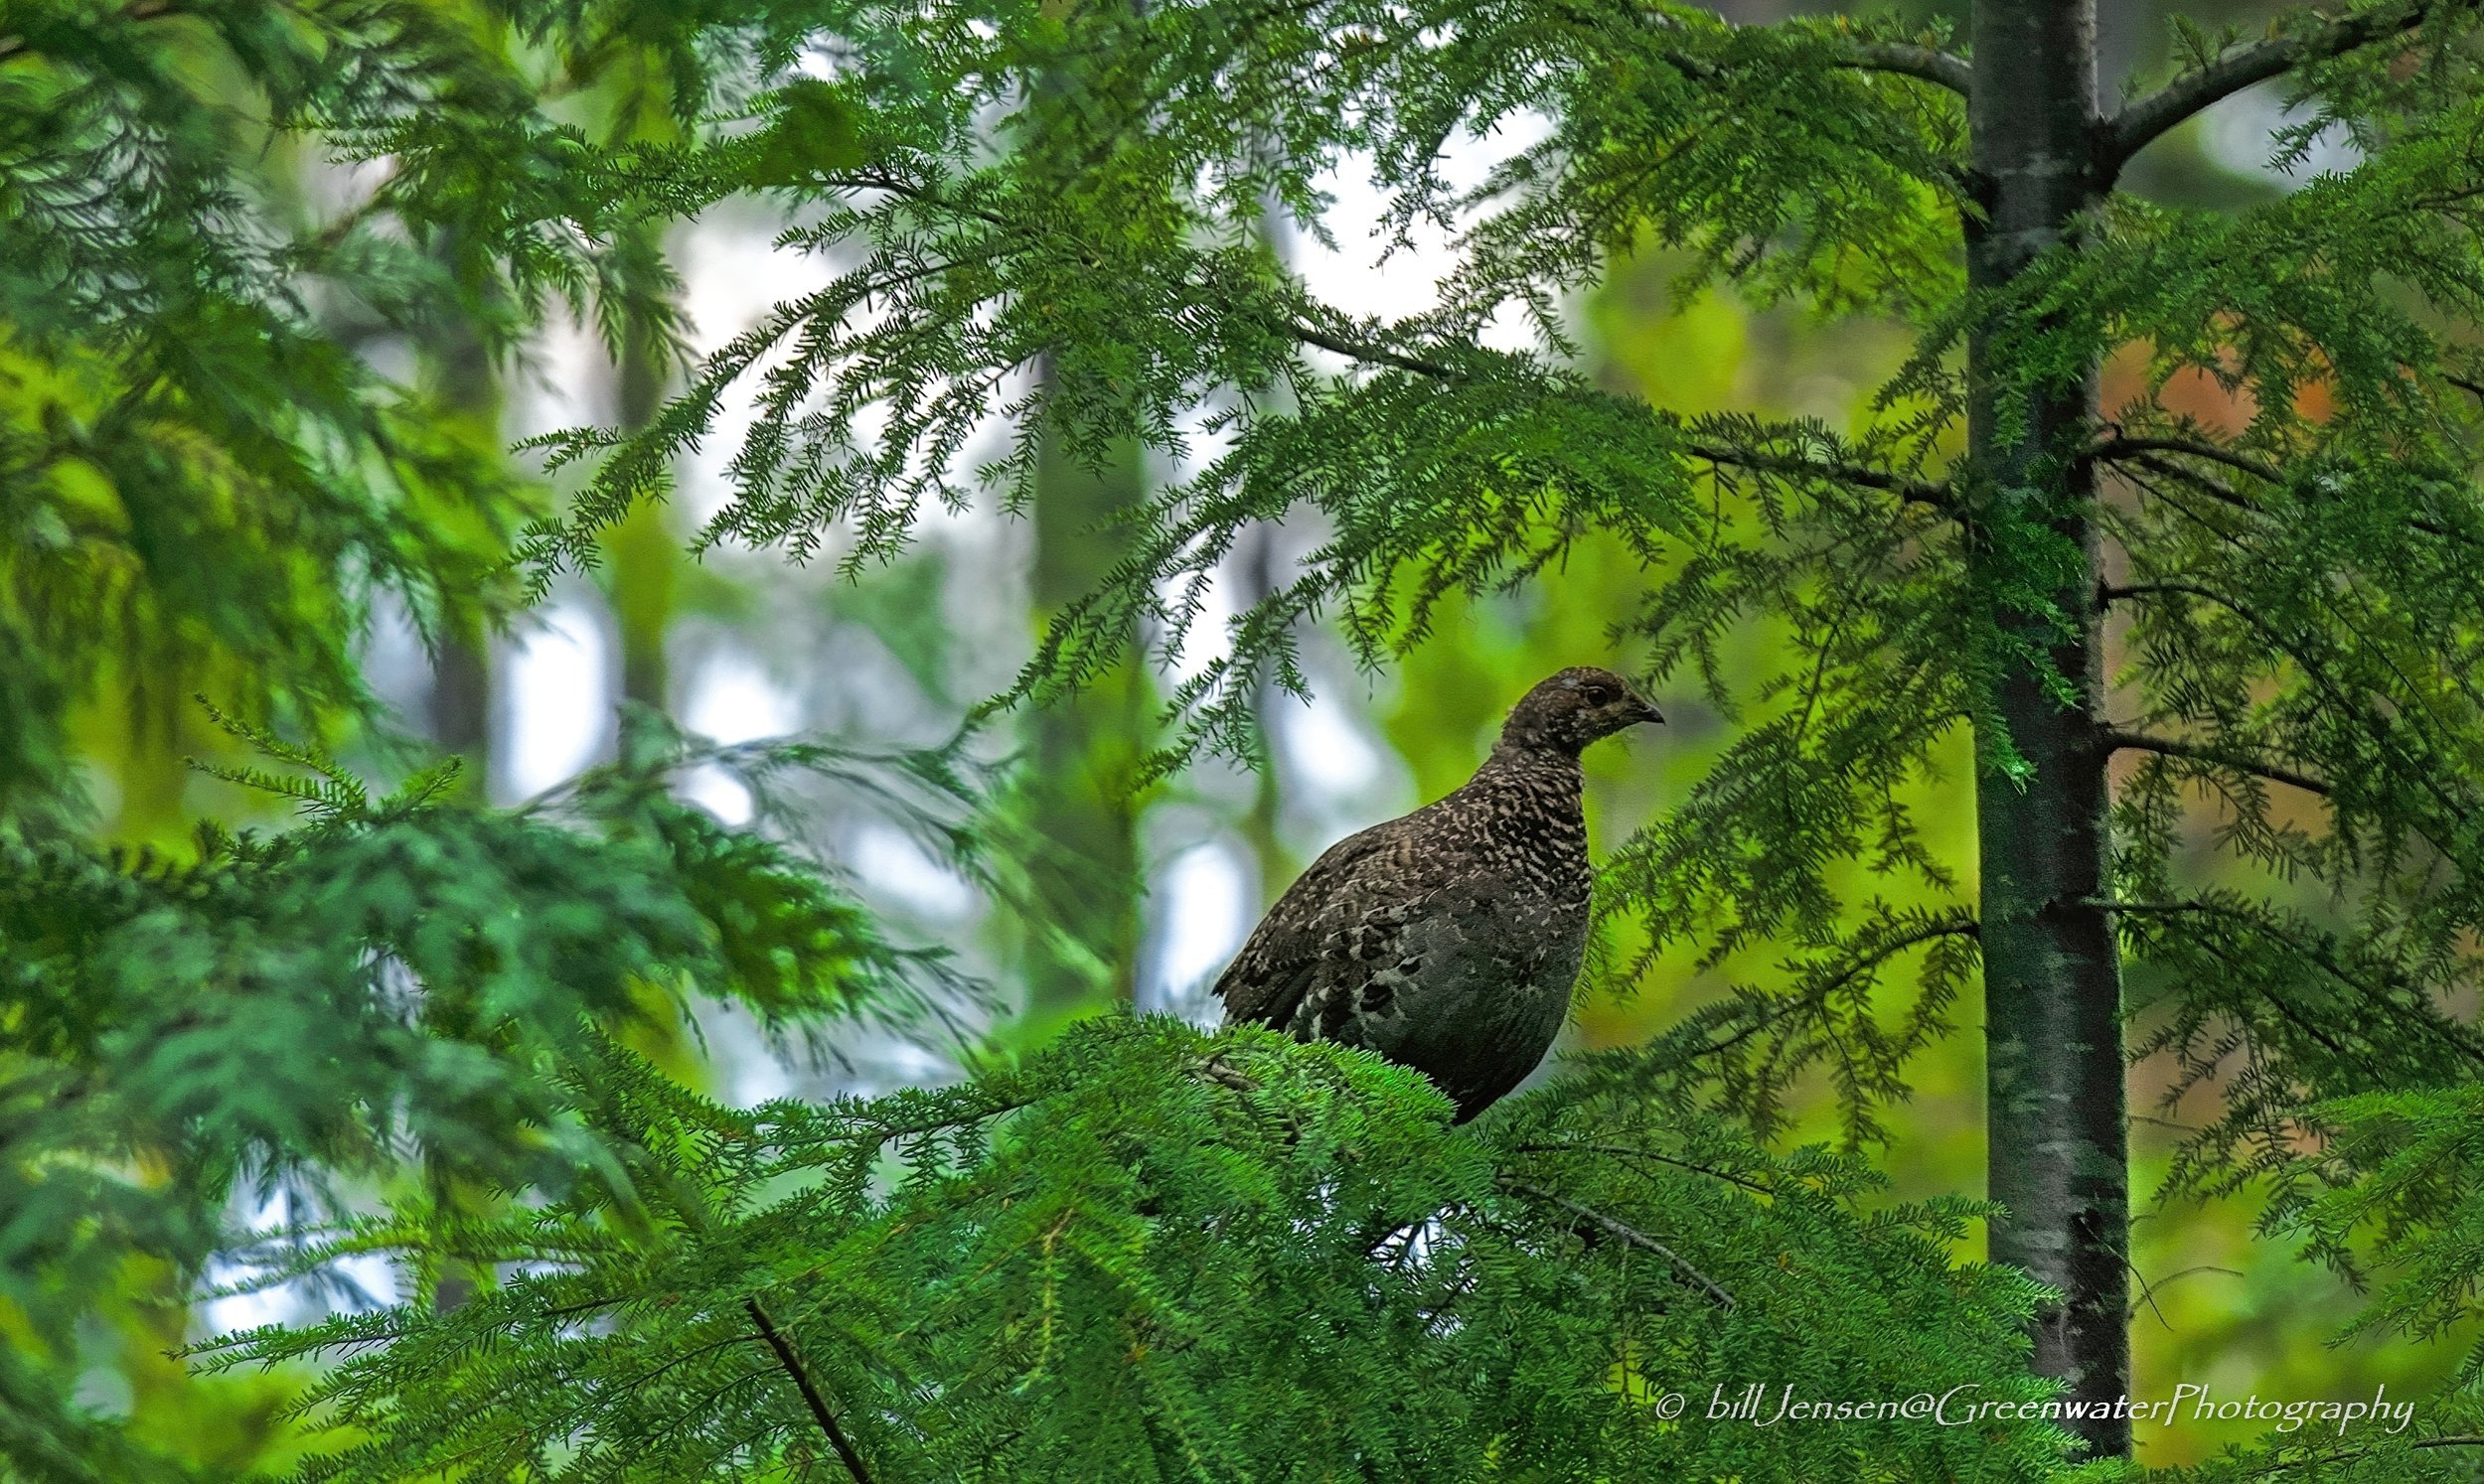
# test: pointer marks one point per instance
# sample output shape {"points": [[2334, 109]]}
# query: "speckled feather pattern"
{"points": [[1446, 940]]}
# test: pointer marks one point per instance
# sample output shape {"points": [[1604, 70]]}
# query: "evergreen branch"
{"points": [[2143, 451], [1624, 1151], [2312, 952], [1947, 927], [1913, 491], [2120, 447], [2339, 692], [1372, 354], [2119, 739], [786, 1357], [2286, 1009], [1906, 59], [1929, 64], [1628, 1234], [2223, 493], [136, 10], [997, 1374], [2445, 1440], [2141, 121]]}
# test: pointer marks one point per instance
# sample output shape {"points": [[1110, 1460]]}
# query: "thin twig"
{"points": [[2147, 1290], [2200, 752], [1631, 1235], [818, 1404]]}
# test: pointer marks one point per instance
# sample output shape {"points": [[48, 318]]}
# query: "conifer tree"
{"points": [[2289, 596], [209, 493], [1082, 773]]}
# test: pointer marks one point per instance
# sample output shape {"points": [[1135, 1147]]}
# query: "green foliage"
{"points": [[203, 483], [1143, 1254], [2291, 597], [2436, 1447], [1148, 1253], [1443, 466], [2409, 1211], [454, 970], [207, 489]]}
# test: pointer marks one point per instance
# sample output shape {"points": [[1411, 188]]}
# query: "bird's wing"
{"points": [[1325, 916]]}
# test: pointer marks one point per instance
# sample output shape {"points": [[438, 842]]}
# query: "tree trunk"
{"points": [[2058, 1153], [462, 703], [1085, 757], [641, 575]]}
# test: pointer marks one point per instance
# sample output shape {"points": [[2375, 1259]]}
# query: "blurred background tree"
{"points": [[252, 433]]}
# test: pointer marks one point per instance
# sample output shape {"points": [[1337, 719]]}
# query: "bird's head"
{"points": [[1570, 709]]}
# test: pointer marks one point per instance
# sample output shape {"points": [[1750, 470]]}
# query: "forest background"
{"points": [[1151, 886]]}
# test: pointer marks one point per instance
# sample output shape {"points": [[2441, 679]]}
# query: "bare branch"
{"points": [[1929, 64], [1629, 1234], [792, 1362], [2147, 1290], [2127, 132], [2120, 740]]}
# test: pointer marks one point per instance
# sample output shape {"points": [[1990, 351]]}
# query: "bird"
{"points": [[1448, 940]]}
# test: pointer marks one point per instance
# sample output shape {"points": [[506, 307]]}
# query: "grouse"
{"points": [[1448, 940]]}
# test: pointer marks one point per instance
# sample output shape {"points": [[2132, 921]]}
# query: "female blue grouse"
{"points": [[1448, 940]]}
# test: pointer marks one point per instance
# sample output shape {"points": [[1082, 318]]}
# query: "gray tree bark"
{"points": [[2058, 1156]]}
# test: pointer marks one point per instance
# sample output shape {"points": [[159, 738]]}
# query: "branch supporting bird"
{"points": [[1448, 940]]}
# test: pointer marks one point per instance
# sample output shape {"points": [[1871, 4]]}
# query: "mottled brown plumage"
{"points": [[1448, 940]]}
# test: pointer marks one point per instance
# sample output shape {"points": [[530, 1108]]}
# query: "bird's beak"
{"points": [[1647, 711]]}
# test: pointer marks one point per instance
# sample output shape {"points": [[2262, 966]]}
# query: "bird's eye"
{"points": [[1599, 694]]}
